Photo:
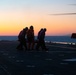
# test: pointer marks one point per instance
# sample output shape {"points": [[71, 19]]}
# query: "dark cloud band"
{"points": [[64, 14]]}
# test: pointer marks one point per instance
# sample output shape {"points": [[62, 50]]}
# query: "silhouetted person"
{"points": [[38, 39], [22, 39], [41, 41], [73, 35], [30, 38]]}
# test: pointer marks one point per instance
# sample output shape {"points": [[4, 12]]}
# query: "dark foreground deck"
{"points": [[58, 60]]}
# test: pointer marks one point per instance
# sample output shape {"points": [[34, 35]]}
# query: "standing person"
{"points": [[38, 39], [41, 41], [22, 39], [30, 38]]}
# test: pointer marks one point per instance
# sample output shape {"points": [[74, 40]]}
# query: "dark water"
{"points": [[60, 39], [10, 38], [47, 38]]}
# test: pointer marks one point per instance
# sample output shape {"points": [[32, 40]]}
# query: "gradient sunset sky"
{"points": [[58, 16]]}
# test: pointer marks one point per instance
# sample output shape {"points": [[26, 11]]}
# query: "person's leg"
{"points": [[20, 46], [29, 45], [43, 45], [32, 47], [24, 44], [39, 44]]}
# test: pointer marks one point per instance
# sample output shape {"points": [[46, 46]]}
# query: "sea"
{"points": [[57, 39]]}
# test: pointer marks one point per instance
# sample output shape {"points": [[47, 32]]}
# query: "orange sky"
{"points": [[13, 18]]}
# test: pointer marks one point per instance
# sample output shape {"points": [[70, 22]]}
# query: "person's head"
{"points": [[31, 27], [25, 29], [41, 29], [45, 29]]}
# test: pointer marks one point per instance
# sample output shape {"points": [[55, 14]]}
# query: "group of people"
{"points": [[27, 39]]}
